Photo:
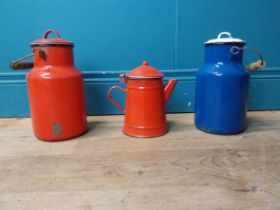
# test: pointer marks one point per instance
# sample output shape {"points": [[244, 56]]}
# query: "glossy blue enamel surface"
{"points": [[221, 91]]}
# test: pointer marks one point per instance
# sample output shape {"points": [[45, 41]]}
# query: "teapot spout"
{"points": [[168, 89]]}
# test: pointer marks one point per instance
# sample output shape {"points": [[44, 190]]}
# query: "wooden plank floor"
{"points": [[103, 169]]}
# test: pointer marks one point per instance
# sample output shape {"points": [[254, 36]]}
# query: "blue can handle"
{"points": [[254, 66]]}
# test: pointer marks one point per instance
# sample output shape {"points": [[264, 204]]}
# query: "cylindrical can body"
{"points": [[221, 91], [145, 108], [56, 94]]}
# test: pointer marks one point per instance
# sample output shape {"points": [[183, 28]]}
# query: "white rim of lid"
{"points": [[224, 37]]}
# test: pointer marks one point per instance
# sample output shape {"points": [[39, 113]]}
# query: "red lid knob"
{"points": [[144, 71], [145, 63]]}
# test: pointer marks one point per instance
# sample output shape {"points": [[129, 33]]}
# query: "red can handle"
{"points": [[112, 100], [20, 64], [45, 36]]}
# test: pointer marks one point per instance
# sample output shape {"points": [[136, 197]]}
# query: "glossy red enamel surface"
{"points": [[56, 94], [144, 71], [145, 106], [145, 109]]}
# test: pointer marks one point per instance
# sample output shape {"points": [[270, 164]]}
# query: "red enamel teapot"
{"points": [[146, 96]]}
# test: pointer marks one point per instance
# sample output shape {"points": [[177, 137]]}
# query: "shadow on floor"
{"points": [[179, 126], [261, 124]]}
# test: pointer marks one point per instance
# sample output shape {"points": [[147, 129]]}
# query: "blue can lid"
{"points": [[224, 38]]}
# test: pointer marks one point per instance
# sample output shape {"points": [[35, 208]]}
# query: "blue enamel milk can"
{"points": [[222, 86]]}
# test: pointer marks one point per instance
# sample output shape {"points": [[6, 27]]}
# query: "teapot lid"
{"points": [[225, 40], [51, 42], [144, 72]]}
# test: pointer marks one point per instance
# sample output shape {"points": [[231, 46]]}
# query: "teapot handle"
{"points": [[112, 100], [252, 66]]}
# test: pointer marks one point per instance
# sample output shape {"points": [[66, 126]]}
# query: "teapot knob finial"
{"points": [[145, 63]]}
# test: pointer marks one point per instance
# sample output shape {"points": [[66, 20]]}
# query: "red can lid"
{"points": [[144, 72], [51, 42]]}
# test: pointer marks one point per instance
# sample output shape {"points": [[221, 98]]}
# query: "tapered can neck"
{"points": [[53, 55], [223, 53]]}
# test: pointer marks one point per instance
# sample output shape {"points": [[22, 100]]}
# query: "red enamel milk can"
{"points": [[146, 96], [55, 89]]}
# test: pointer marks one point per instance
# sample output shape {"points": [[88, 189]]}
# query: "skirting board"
{"points": [[263, 93]]}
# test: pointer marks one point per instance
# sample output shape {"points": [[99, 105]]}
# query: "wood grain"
{"points": [[104, 169]]}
